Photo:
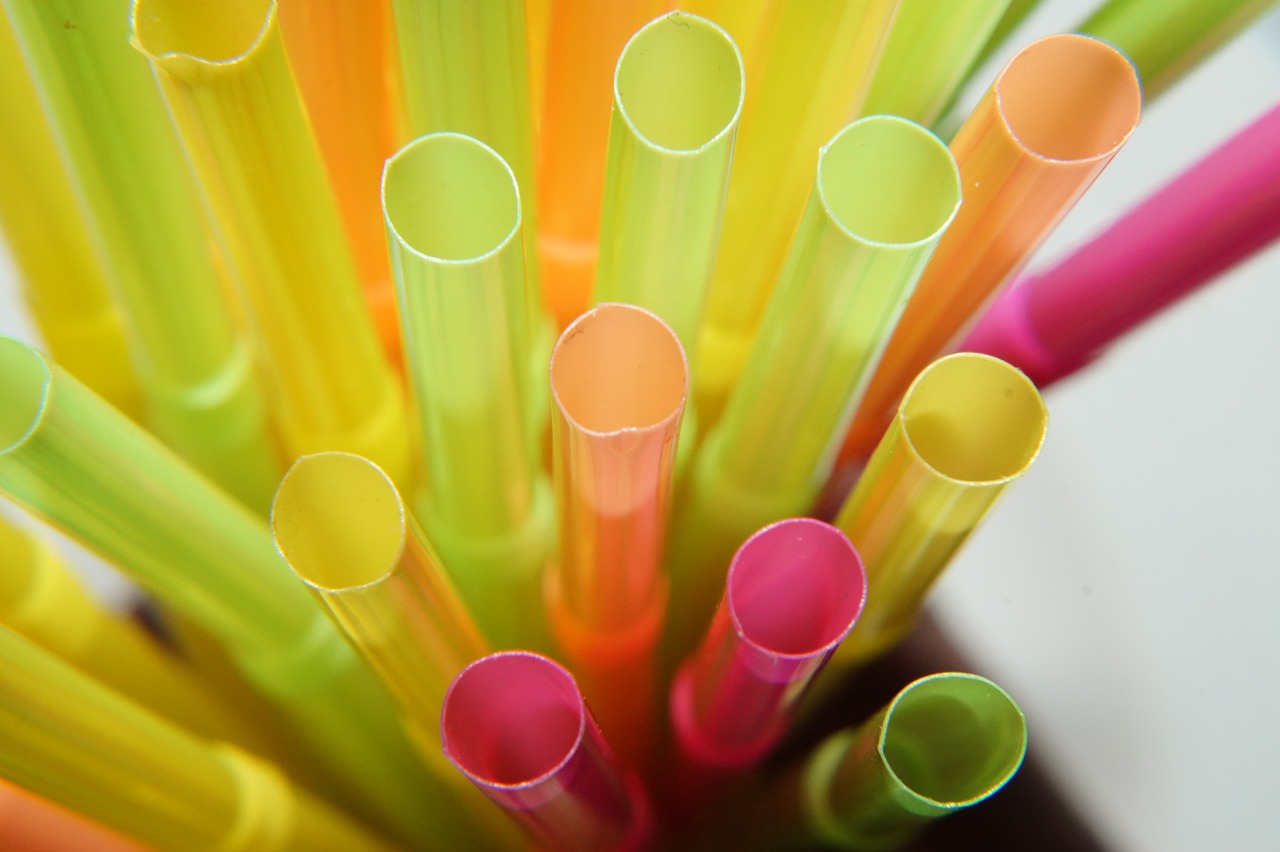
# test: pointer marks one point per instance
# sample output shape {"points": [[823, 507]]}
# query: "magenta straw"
{"points": [[515, 724], [1212, 216]]}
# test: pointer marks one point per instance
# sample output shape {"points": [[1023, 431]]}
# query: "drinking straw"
{"points": [[1051, 121], [930, 50], [223, 73], [61, 278], [343, 54], [794, 590], [537, 21], [1213, 215], [1013, 16], [619, 380], [584, 38], [884, 192], [71, 459], [968, 427], [453, 222], [741, 19], [1167, 38], [97, 753], [116, 142], [808, 74], [944, 743], [29, 823], [515, 724]]}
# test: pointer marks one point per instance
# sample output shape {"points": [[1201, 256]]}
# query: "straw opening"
{"points": [[24, 386], [211, 32]]}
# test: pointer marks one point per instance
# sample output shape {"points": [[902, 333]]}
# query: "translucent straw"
{"points": [[968, 427], [453, 222], [223, 72], [103, 756], [112, 130], [516, 726], [29, 823], [741, 19], [1054, 118], [619, 380]]}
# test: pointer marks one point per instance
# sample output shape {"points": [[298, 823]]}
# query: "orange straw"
{"points": [[29, 823]]}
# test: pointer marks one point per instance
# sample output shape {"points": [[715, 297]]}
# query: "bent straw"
{"points": [[62, 279], [342, 54], [452, 213], [29, 823], [584, 38], [224, 75], [826, 50], [968, 427], [66, 737], [515, 724], [620, 381], [885, 190], [1213, 215], [71, 459], [930, 50], [113, 133], [1051, 122]]}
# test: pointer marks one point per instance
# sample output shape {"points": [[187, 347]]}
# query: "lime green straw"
{"points": [[453, 222], [885, 191], [68, 457], [116, 140], [67, 737]]}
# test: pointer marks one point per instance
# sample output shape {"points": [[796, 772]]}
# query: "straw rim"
{"points": [[43, 368], [138, 38]]}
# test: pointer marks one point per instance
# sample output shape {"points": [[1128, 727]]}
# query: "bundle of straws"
{"points": [[516, 406]]}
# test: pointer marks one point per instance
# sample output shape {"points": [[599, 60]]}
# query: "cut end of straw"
{"points": [[210, 32], [24, 387]]}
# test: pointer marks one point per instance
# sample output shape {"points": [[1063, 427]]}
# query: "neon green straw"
{"points": [[453, 223], [886, 190], [116, 141]]}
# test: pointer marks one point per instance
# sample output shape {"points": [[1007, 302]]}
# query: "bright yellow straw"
{"points": [[223, 72]]}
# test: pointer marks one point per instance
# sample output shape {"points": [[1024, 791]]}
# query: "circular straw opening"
{"points": [[211, 32], [512, 719], [796, 587], [974, 418], [450, 197], [953, 739], [616, 367], [679, 82], [24, 380], [338, 521], [1069, 97], [888, 180]]}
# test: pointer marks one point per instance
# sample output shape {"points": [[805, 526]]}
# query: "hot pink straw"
{"points": [[1212, 216]]}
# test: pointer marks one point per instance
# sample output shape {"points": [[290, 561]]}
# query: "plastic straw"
{"points": [[968, 427], [584, 38], [1213, 215], [342, 53], [116, 141], [1054, 118], [885, 190], [741, 19], [224, 75], [453, 222], [808, 74], [516, 726], [29, 823], [619, 380], [930, 50], [99, 754]]}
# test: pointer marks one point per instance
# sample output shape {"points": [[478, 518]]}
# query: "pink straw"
{"points": [[515, 724], [1212, 216]]}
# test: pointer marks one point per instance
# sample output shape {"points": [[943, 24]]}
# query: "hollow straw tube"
{"points": [[342, 54], [66, 737], [1167, 38], [70, 458], [113, 134], [224, 75], [1053, 119], [884, 192], [826, 50], [1213, 215], [930, 50], [741, 19], [620, 381], [515, 724], [584, 38], [30, 823], [968, 427], [453, 223], [537, 20]]}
